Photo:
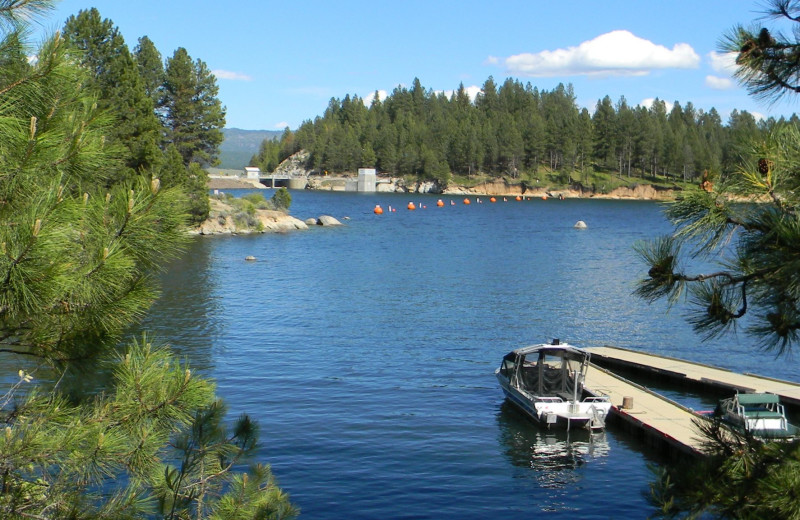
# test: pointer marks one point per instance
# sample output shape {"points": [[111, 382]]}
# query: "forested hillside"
{"points": [[517, 131]]}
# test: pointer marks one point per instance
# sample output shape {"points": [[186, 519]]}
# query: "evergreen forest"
{"points": [[520, 133], [168, 117]]}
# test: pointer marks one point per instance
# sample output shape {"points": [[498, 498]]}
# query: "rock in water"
{"points": [[580, 225], [327, 220], [250, 258]]}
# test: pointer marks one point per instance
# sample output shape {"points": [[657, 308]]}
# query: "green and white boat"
{"points": [[761, 415]]}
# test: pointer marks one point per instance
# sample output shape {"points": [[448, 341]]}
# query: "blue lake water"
{"points": [[367, 352]]}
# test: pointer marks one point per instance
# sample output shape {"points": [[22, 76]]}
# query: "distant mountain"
{"points": [[240, 145]]}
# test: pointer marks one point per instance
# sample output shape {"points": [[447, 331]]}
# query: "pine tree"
{"points": [[114, 78], [78, 251], [604, 122], [193, 114], [151, 68], [756, 247]]}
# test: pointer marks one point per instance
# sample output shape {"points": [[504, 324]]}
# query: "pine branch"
{"points": [[15, 13], [782, 9]]}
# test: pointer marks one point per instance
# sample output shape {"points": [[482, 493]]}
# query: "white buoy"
{"points": [[580, 225], [250, 258]]}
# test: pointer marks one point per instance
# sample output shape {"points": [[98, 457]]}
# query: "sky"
{"points": [[278, 63]]}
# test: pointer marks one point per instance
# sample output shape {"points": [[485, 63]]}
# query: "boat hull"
{"points": [[557, 414]]}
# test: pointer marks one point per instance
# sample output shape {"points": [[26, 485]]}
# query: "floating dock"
{"points": [[697, 375], [660, 422]]}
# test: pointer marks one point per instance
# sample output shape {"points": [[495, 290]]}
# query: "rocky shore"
{"points": [[497, 188], [224, 220]]}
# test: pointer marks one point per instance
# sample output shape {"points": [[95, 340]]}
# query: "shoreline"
{"points": [[500, 188], [497, 188], [224, 219]]}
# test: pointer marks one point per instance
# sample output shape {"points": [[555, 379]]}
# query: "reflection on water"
{"points": [[552, 455], [187, 316], [188, 313]]}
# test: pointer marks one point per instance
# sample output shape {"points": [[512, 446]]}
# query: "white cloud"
{"points": [[472, 92], [723, 62], [617, 53], [758, 116], [235, 76], [281, 125], [648, 103], [717, 83], [382, 94]]}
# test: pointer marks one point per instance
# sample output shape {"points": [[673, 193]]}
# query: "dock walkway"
{"points": [[697, 374], [661, 422]]}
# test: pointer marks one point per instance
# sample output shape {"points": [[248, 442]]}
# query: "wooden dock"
{"points": [[660, 422], [699, 375]]}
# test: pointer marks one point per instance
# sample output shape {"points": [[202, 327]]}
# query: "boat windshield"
{"points": [[509, 365], [550, 373]]}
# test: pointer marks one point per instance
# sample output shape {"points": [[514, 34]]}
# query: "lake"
{"points": [[367, 352]]}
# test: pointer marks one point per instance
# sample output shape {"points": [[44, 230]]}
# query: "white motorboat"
{"points": [[546, 382]]}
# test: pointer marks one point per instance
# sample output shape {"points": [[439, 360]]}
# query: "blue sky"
{"points": [[278, 63]]}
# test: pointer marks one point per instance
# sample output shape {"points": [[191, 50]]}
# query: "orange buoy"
{"points": [[411, 205], [519, 198], [466, 201], [492, 199], [544, 197], [378, 209], [440, 203]]}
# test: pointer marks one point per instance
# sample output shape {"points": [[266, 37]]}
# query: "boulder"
{"points": [[311, 221], [327, 220], [279, 223], [580, 225]]}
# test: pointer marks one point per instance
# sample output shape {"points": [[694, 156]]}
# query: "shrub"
{"points": [[257, 200], [281, 200], [243, 219]]}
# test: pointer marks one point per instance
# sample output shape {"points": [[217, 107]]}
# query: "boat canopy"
{"points": [[754, 399], [547, 370], [561, 349]]}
